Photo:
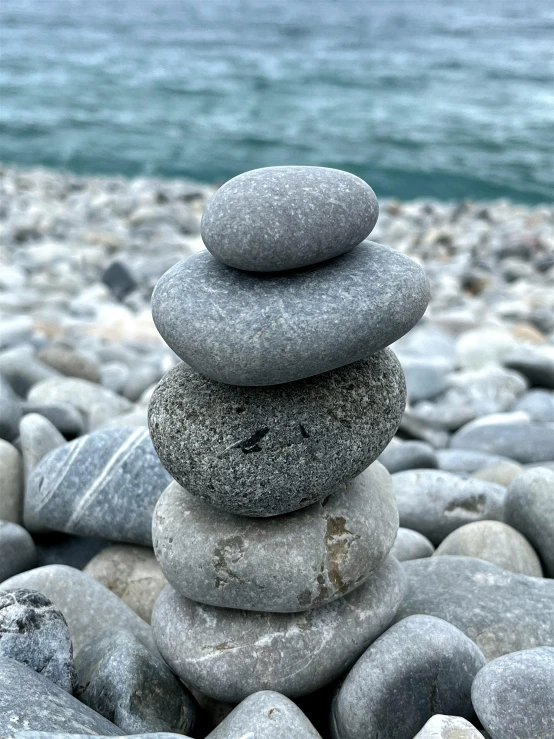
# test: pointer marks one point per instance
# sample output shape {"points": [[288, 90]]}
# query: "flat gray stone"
{"points": [[529, 508], [265, 715], [22, 369], [17, 550], [411, 544], [538, 404], [513, 695], [33, 702], [522, 442], [70, 363], [501, 611], [65, 417], [419, 667], [104, 484], [435, 503], [408, 455], [243, 329], [34, 632], [11, 483], [86, 605], [495, 542], [466, 460], [229, 654], [448, 727], [10, 411], [121, 680], [267, 451], [252, 564], [279, 218], [38, 437], [132, 573]]}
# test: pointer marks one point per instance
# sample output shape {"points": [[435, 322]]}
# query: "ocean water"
{"points": [[438, 98]]}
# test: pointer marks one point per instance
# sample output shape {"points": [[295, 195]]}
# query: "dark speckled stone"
{"points": [[279, 218], [267, 451], [251, 329]]}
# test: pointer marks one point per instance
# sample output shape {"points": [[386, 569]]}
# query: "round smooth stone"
{"points": [[279, 218], [448, 727], [495, 542], [104, 484], [11, 482], [17, 550], [283, 563], [408, 455], [229, 654], [514, 695], [411, 544], [267, 451], [420, 666], [246, 329], [502, 473]]}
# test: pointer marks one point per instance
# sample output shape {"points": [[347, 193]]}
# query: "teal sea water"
{"points": [[439, 98]]}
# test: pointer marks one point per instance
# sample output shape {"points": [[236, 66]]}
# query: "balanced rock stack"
{"points": [[275, 535]]}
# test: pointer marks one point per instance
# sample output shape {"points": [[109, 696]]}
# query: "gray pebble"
{"points": [[419, 667], [502, 473], [514, 695], [466, 460], [34, 632], [33, 702], [229, 654], [425, 376], [140, 379], [70, 363], [529, 508], [22, 369], [239, 562], [279, 218], [522, 442], [535, 364], [132, 573], [121, 680], [495, 542], [243, 329], [66, 418], [267, 451], [114, 375], [538, 404], [11, 482], [501, 611], [104, 484], [418, 428], [408, 455], [435, 503], [10, 411], [265, 715], [411, 544], [86, 604], [17, 550], [448, 727], [38, 438]]}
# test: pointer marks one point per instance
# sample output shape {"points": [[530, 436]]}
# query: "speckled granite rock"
{"points": [[11, 483], [267, 451], [105, 484], [34, 632], [495, 542], [501, 611], [435, 503], [408, 455], [33, 702], [283, 563], [513, 695], [121, 680], [410, 544], [132, 573], [418, 667], [86, 604], [243, 329], [265, 715], [279, 218], [229, 654], [448, 727], [529, 508], [17, 550]]}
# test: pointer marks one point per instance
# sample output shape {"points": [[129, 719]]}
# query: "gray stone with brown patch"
{"points": [[228, 654], [435, 503], [282, 563]]}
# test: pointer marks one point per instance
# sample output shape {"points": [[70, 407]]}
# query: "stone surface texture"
{"points": [[238, 328], [282, 563], [410, 544], [280, 218], [448, 727], [38, 437], [17, 550], [229, 654], [267, 451], [11, 483], [408, 455]]}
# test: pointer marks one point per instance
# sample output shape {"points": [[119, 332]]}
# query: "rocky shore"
{"points": [[260, 500]]}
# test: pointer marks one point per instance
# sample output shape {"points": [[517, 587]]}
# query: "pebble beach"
{"points": [[250, 507]]}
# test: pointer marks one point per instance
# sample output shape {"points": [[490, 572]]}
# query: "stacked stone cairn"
{"points": [[275, 535]]}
